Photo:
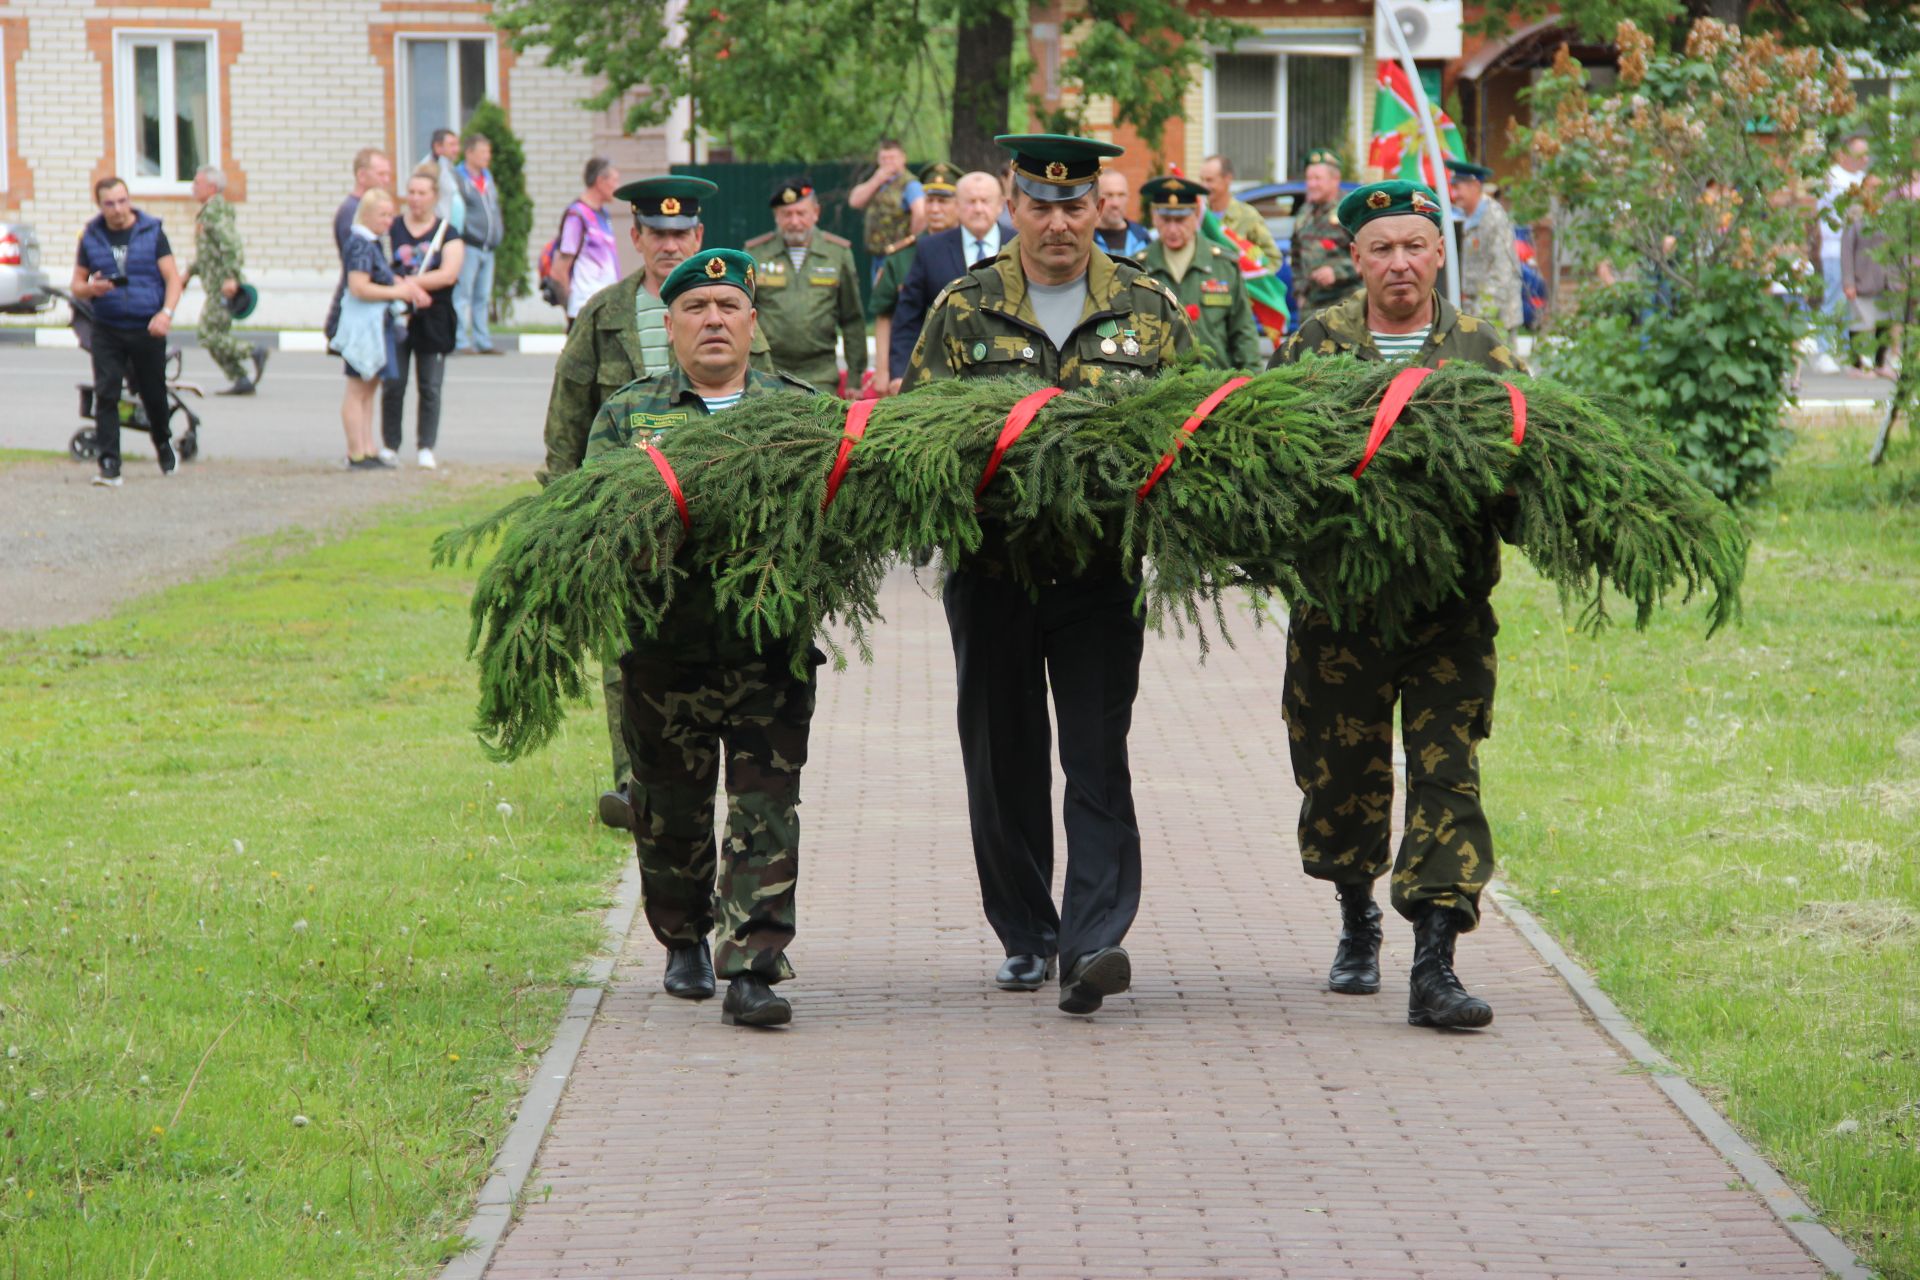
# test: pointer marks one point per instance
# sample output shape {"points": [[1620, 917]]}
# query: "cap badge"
{"points": [[789, 196], [716, 268], [1379, 200], [1056, 171], [670, 206], [1423, 205]]}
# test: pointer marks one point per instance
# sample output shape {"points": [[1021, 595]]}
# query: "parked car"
{"points": [[23, 285]]}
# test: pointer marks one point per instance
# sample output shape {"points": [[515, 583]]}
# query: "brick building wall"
{"points": [[301, 86]]}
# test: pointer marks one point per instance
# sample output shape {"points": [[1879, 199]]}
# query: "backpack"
{"points": [[551, 290]]}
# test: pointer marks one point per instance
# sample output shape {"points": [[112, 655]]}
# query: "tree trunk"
{"points": [[982, 71]]}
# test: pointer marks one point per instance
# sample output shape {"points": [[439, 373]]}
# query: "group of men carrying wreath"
{"points": [[679, 341]]}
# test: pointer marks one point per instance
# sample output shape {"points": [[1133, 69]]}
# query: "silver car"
{"points": [[23, 285]]}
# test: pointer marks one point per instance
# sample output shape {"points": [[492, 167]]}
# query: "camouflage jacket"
{"points": [[888, 221], [893, 274], [1214, 295], [696, 630], [983, 326], [605, 351], [803, 309], [1320, 241], [1343, 331], [1490, 265], [216, 245]]}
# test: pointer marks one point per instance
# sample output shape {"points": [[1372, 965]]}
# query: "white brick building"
{"points": [[280, 94]]}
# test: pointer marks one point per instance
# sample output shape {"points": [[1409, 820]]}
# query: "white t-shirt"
{"points": [[1839, 181]]}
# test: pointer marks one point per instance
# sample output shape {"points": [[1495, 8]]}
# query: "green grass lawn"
{"points": [[14, 457], [278, 946], [1725, 832]]}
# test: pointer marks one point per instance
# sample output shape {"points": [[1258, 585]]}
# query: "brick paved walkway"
{"points": [[1229, 1117]]}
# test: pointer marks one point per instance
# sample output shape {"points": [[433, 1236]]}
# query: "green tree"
{"points": [[819, 79], [1889, 30], [516, 206], [1682, 185], [1889, 211]]}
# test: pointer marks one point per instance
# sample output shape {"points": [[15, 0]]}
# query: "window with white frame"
{"points": [[442, 79], [1270, 102], [167, 91], [6, 148]]}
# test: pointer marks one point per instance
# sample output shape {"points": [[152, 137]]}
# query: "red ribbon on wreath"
{"points": [[857, 414], [1394, 403], [665, 469], [1187, 428], [1017, 420]]}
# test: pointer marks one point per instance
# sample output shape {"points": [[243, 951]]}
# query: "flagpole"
{"points": [[1441, 185]]}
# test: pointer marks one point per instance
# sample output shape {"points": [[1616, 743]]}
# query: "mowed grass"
{"points": [[1726, 832], [278, 946]]}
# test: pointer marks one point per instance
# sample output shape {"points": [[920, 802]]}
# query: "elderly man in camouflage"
{"points": [[217, 261], [1323, 270], [1341, 685], [698, 689], [1489, 262], [1056, 308], [619, 335]]}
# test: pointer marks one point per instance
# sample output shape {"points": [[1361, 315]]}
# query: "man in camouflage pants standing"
{"points": [[1323, 270], [697, 692], [1341, 685], [217, 261]]}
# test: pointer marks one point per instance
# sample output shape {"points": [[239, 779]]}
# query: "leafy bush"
{"points": [[1682, 185], [510, 277]]}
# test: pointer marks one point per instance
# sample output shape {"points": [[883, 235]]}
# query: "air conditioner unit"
{"points": [[1432, 27]]}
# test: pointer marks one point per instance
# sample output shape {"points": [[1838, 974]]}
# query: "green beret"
{"points": [[1468, 169], [1174, 194], [669, 203], [940, 179], [1320, 155], [1387, 200], [1056, 166], [710, 266]]}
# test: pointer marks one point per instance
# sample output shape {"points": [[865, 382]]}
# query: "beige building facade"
{"points": [[279, 94]]}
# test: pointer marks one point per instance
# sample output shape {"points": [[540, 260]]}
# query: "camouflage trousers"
{"points": [[614, 686], [1341, 687], [679, 719], [217, 340]]}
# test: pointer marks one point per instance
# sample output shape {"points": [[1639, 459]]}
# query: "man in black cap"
{"points": [[809, 292], [1055, 307], [619, 335]]}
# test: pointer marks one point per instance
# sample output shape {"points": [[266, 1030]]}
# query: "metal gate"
{"points": [[739, 211]]}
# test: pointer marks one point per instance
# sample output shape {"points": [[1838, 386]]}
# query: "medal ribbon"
{"points": [[857, 414], [1394, 403], [1017, 420], [1187, 428], [673, 484]]}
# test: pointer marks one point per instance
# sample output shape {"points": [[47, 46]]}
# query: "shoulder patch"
{"points": [[759, 240], [1154, 284], [831, 238]]}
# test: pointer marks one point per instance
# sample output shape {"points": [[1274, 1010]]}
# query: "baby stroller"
{"points": [[85, 445]]}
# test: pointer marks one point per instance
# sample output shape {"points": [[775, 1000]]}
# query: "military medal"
{"points": [[979, 351], [1108, 348], [1130, 346]]}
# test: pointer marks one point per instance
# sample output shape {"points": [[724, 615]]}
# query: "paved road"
{"points": [[1229, 1117], [492, 411]]}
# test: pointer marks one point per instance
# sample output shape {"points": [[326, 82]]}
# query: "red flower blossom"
{"points": [[1193, 311]]}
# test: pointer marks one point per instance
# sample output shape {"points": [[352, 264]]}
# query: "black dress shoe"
{"points": [[616, 810], [1024, 973], [690, 972], [1435, 998], [242, 387], [1356, 961], [750, 1002], [259, 354], [1094, 977]]}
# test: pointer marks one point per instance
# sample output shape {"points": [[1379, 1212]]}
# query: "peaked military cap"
{"points": [[940, 179], [1174, 194], [791, 191], [710, 266], [1387, 200], [670, 203], [1056, 166], [1320, 155], [1468, 169]]}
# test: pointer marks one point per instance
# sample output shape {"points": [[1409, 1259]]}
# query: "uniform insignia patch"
{"points": [[670, 206], [789, 196], [979, 351], [715, 268], [1421, 204], [1379, 200], [1056, 172], [655, 421]]}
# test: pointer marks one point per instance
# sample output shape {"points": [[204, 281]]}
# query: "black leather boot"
{"points": [[690, 972], [616, 809], [1356, 961], [1436, 998], [750, 1002]]}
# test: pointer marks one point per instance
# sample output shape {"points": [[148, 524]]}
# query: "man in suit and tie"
{"points": [[944, 258]]}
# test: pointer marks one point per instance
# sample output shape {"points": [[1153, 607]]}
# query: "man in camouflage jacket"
{"points": [[1341, 685], [217, 260], [1054, 307], [1323, 270], [698, 694], [1489, 259]]}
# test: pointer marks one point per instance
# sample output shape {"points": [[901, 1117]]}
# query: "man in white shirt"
{"points": [[944, 258], [1848, 171]]}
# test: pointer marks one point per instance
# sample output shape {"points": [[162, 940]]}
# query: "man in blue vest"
{"points": [[126, 270]]}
